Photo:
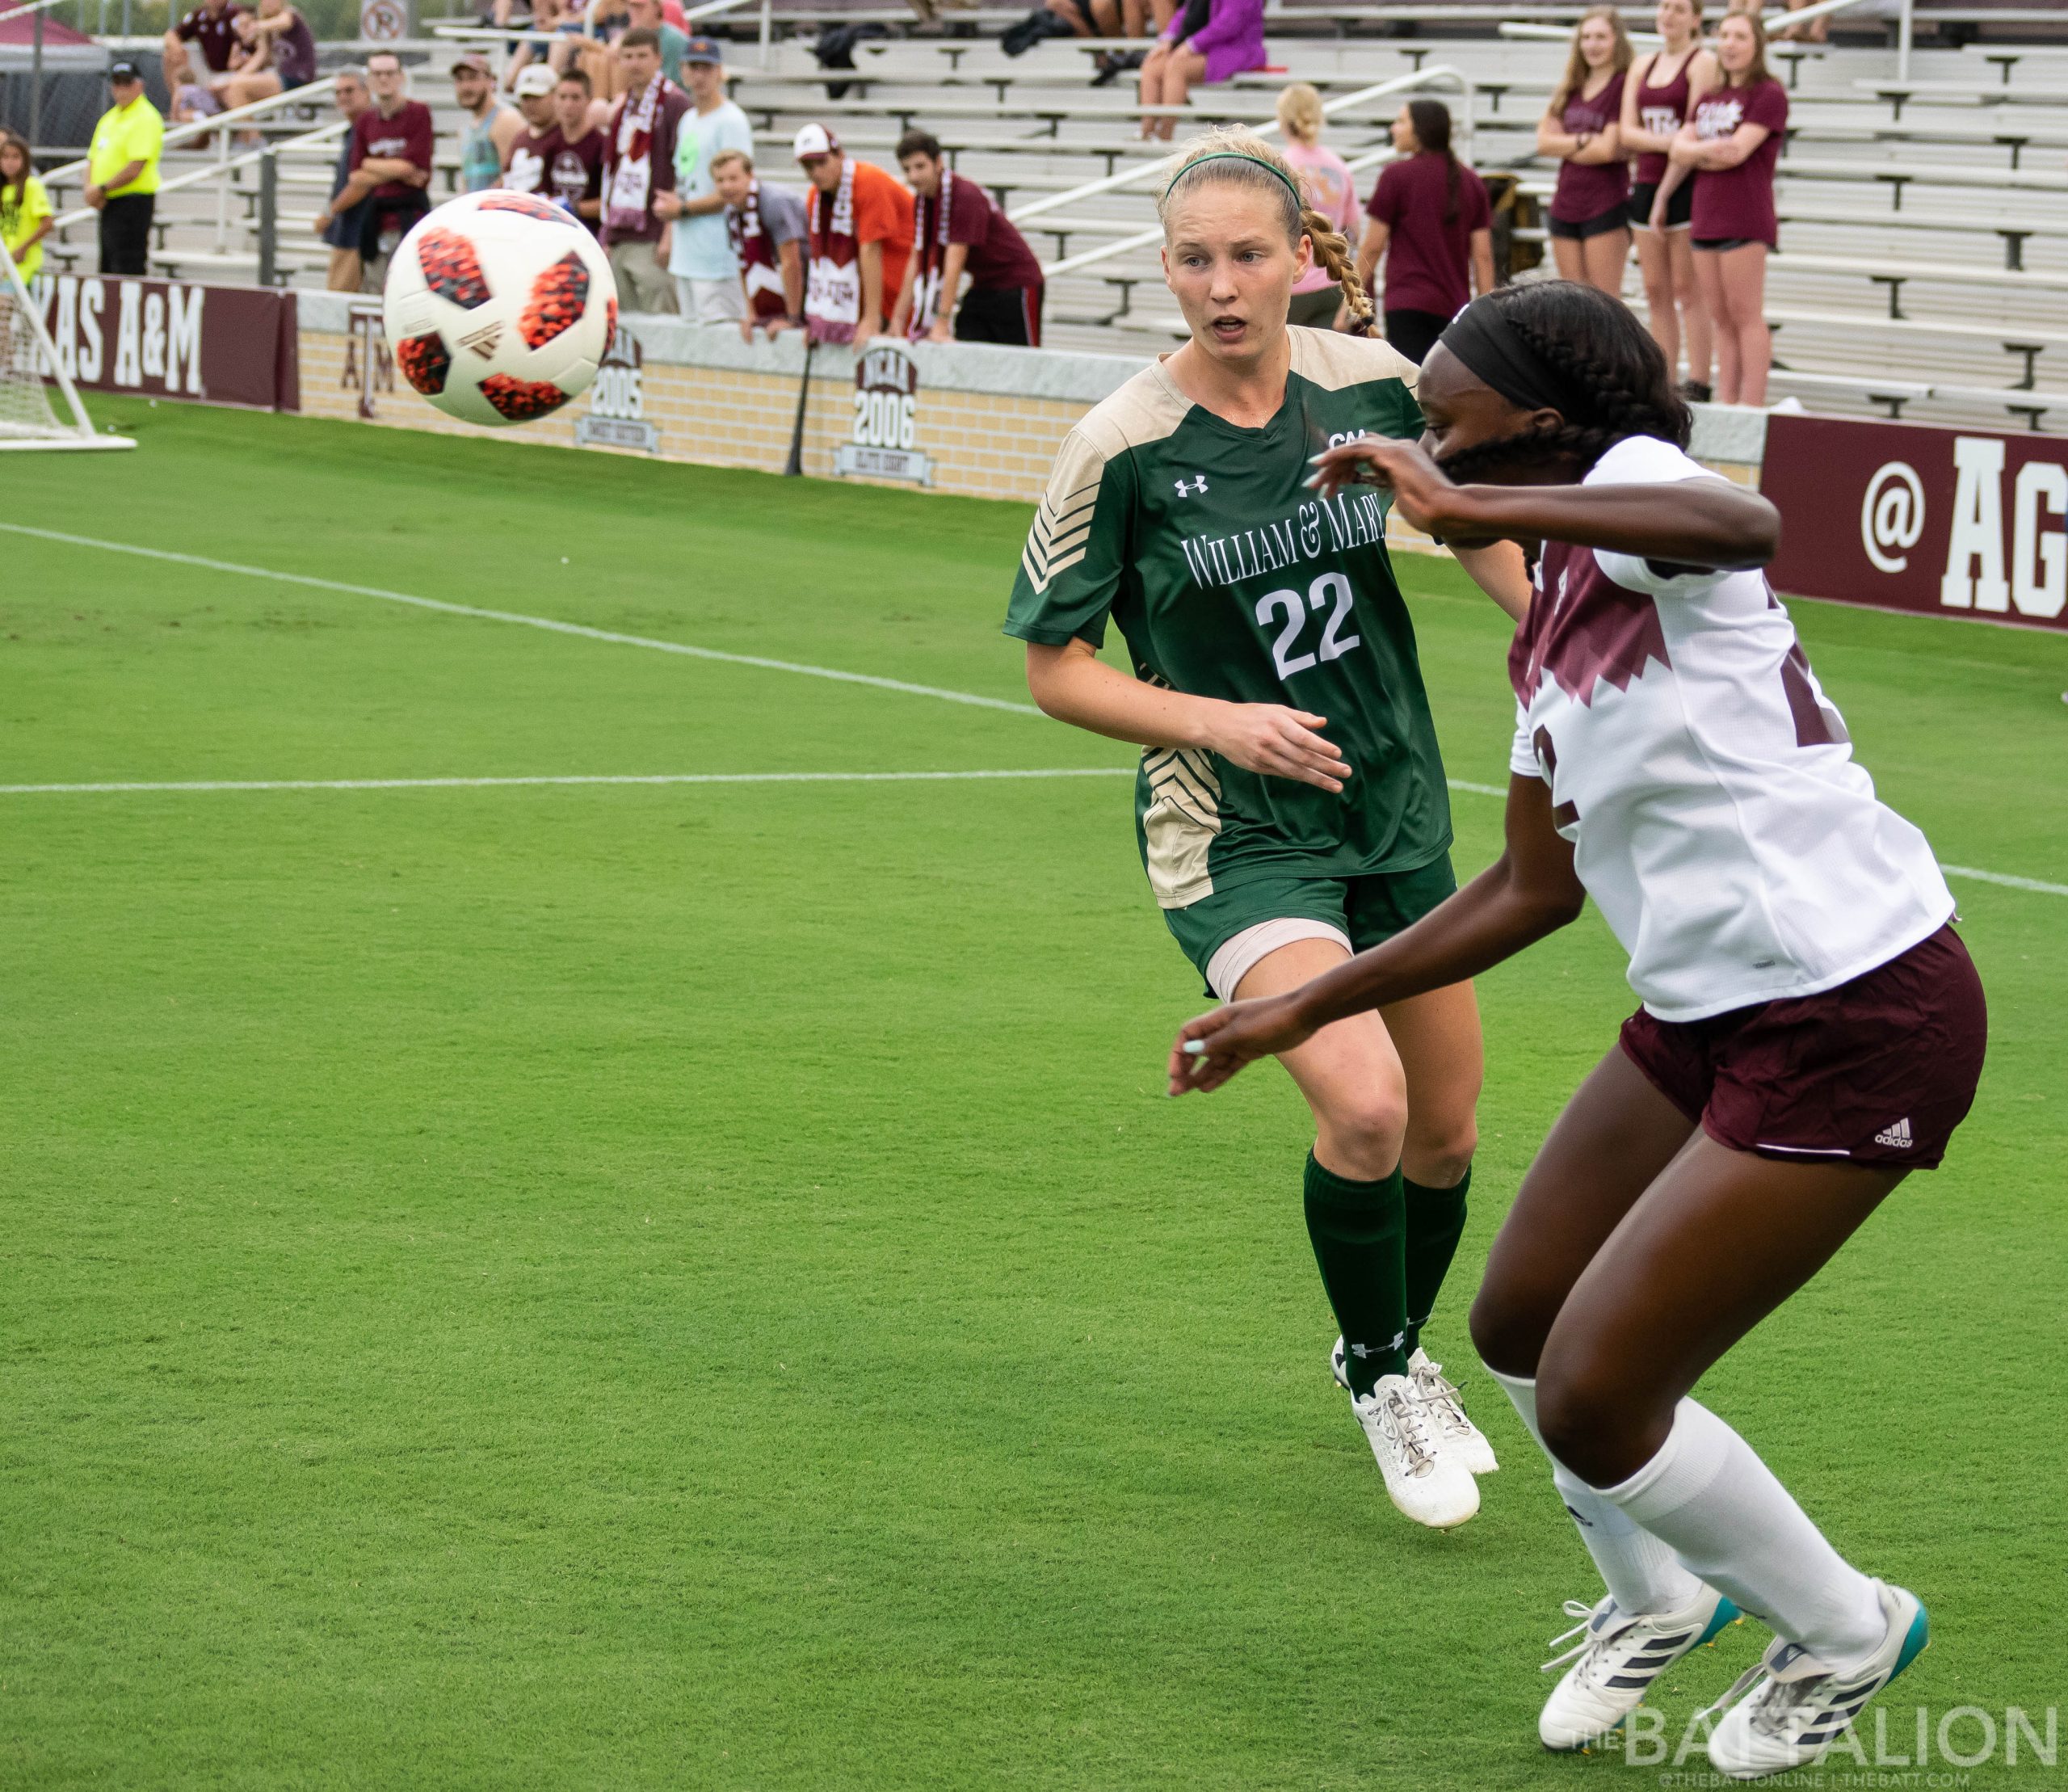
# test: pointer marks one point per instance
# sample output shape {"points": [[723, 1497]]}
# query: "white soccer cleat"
{"points": [[1801, 1706], [1619, 1653], [1433, 1489], [1456, 1434]]}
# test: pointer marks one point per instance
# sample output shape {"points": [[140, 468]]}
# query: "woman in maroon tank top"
{"points": [[1663, 88], [1589, 225], [1729, 148]]}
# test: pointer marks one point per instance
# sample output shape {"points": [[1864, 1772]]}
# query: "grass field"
{"points": [[697, 1284]]}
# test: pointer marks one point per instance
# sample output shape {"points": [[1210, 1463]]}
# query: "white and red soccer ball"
{"points": [[498, 307]]}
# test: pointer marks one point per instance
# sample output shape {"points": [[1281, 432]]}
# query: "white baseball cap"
{"points": [[535, 80], [815, 140]]}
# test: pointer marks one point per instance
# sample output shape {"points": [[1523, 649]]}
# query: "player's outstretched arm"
{"points": [[1693, 522], [1073, 684], [1532, 890]]}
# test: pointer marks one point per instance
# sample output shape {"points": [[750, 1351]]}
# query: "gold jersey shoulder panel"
{"points": [[1145, 409], [1333, 360]]}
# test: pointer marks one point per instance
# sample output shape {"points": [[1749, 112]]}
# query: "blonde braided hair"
{"points": [[1219, 150]]}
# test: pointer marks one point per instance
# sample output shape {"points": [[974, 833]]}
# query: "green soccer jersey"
{"points": [[1229, 578]]}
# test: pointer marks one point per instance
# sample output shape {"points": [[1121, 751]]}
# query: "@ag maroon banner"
{"points": [[225, 345], [1943, 522]]}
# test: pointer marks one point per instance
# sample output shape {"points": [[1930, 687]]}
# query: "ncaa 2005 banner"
{"points": [[1941, 522], [222, 345]]}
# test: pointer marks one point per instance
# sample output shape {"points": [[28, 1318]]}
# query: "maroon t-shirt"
{"points": [[998, 254], [1585, 190], [576, 170], [1428, 261], [1661, 110], [215, 31], [1739, 202], [407, 135]]}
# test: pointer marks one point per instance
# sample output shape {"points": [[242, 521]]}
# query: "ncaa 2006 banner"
{"points": [[222, 345], [1942, 522]]}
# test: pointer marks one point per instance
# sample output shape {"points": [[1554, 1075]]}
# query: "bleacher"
{"points": [[1923, 269]]}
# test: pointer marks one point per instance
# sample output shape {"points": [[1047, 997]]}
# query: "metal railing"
{"points": [[267, 160], [1149, 171], [500, 35]]}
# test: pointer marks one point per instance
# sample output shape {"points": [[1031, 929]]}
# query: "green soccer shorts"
{"points": [[1226, 934]]}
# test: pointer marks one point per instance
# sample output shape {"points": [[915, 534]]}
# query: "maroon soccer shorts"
{"points": [[1878, 1070]]}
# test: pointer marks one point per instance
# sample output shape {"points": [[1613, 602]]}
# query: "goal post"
{"points": [[27, 418]]}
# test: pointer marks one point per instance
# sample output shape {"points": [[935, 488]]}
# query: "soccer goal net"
{"points": [[28, 362]]}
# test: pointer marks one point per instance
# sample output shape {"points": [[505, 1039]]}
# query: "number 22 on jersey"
{"points": [[1287, 604]]}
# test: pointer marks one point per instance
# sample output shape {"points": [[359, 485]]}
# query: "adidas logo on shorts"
{"points": [[1897, 1135]]}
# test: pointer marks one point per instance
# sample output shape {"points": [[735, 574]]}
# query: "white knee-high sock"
{"points": [[1641, 1572], [1729, 1518]]}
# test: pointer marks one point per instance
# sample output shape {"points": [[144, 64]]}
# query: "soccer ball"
{"points": [[499, 306]]}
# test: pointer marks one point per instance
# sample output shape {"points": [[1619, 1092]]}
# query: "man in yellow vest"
{"points": [[122, 172]]}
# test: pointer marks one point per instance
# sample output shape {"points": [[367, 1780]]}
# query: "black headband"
{"points": [[1481, 337]]}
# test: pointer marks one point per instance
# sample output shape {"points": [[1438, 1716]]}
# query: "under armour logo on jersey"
{"points": [[1897, 1136], [1194, 488]]}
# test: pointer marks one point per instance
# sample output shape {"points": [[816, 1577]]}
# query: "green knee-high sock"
{"points": [[1436, 1222], [1358, 1230]]}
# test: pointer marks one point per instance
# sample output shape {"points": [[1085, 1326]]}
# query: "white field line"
{"points": [[492, 784], [551, 624], [554, 625]]}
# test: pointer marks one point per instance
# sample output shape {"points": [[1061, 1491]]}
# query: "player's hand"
{"points": [[941, 332], [1658, 214], [746, 330], [1422, 492], [1209, 1051], [1279, 742]]}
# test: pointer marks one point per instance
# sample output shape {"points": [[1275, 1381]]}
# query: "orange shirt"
{"points": [[883, 213]]}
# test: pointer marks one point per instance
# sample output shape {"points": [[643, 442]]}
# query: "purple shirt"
{"points": [[1231, 40], [1428, 261], [1739, 202], [1585, 190]]}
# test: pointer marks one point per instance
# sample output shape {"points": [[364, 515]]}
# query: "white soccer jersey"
{"points": [[1707, 784]]}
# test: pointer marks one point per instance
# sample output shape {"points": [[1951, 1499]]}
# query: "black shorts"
{"points": [[1879, 1071], [1007, 314], [1722, 245], [1414, 333], [1617, 217], [1679, 209]]}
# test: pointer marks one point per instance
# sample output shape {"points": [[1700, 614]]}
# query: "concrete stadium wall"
{"points": [[988, 420]]}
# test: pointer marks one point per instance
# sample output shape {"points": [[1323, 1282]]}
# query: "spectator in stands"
{"points": [[1660, 95], [578, 164], [1730, 148], [1332, 189], [343, 230], [1817, 31], [25, 213], [1433, 227], [529, 168], [700, 260], [275, 53], [957, 229], [491, 126], [1229, 43], [767, 228], [647, 15], [122, 171], [639, 167], [859, 238], [213, 26], [392, 149], [1583, 127]]}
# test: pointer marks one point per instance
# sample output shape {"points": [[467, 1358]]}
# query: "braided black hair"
{"points": [[1597, 348]]}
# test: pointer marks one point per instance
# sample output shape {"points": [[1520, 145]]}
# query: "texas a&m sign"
{"points": [[1947, 521], [225, 345]]}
